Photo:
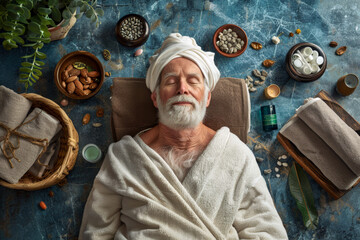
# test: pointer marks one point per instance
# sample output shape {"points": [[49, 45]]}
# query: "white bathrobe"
{"points": [[136, 195]]}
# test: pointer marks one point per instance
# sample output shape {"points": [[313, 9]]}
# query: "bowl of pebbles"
{"points": [[79, 75], [306, 62], [132, 30], [230, 40]]}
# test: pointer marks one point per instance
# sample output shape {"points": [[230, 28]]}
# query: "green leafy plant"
{"points": [[26, 23], [301, 191]]}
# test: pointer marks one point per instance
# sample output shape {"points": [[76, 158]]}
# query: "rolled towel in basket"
{"points": [[13, 108], [49, 158], [42, 126], [325, 139]]}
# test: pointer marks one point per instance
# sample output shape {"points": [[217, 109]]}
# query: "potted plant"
{"points": [[27, 23]]}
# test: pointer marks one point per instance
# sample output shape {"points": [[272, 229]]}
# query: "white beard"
{"points": [[181, 116]]}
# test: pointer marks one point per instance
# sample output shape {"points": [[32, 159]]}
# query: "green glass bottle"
{"points": [[269, 120]]}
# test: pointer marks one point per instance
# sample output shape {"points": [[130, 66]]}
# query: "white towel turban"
{"points": [[174, 46]]}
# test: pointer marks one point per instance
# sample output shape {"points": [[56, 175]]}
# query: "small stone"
{"points": [[267, 171], [276, 169], [262, 78], [257, 147], [285, 164], [279, 163], [259, 159], [106, 54], [256, 73], [64, 102], [277, 175], [97, 124], [107, 74], [256, 83], [279, 158], [250, 78], [284, 157], [138, 52], [252, 89], [264, 73]]}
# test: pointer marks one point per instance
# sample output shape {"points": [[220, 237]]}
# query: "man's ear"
{"points": [[208, 99], [153, 98]]}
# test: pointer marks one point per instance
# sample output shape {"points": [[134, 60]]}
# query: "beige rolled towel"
{"points": [[334, 131], [44, 126]]}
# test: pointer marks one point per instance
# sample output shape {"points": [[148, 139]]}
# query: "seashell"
{"points": [[268, 63], [106, 54], [257, 147], [259, 159], [267, 171], [97, 124], [252, 89], [138, 52]]}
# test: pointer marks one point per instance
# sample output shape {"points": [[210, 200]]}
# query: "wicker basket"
{"points": [[69, 147]]}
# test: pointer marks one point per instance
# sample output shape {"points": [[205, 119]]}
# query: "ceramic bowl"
{"points": [[241, 34], [294, 74], [92, 64], [136, 21]]}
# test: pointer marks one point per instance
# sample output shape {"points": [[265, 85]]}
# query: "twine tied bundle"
{"points": [[8, 148]]}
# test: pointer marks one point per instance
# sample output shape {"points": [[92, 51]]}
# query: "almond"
{"points": [[71, 79], [78, 84], [85, 81], [93, 85], [79, 92], [86, 86], [63, 84], [87, 91], [341, 50], [69, 67], [74, 72], [64, 75], [86, 119], [333, 44], [71, 87], [84, 72], [93, 74]]}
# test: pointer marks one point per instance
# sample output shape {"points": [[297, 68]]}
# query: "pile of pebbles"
{"points": [[260, 79], [281, 162]]}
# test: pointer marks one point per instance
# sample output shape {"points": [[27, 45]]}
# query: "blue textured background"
{"points": [[320, 21]]}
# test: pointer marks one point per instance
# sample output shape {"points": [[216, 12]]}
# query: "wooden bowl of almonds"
{"points": [[230, 40], [79, 75]]}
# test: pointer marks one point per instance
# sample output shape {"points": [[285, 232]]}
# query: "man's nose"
{"points": [[183, 87]]}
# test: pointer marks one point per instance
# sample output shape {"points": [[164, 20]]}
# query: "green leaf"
{"points": [[23, 75], [26, 64], [99, 12], [25, 69], [29, 45], [28, 56], [44, 11], [34, 27], [66, 14], [39, 63], [41, 55], [89, 13], [37, 71], [18, 40], [56, 14], [79, 15], [65, 23], [301, 191], [8, 44], [16, 9], [93, 18], [84, 8]]}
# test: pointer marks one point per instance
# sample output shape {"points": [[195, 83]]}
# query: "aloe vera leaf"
{"points": [[301, 191]]}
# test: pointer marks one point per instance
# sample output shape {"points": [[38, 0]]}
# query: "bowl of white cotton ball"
{"points": [[306, 62]]}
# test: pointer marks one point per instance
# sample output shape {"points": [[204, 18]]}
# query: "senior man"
{"points": [[180, 179]]}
